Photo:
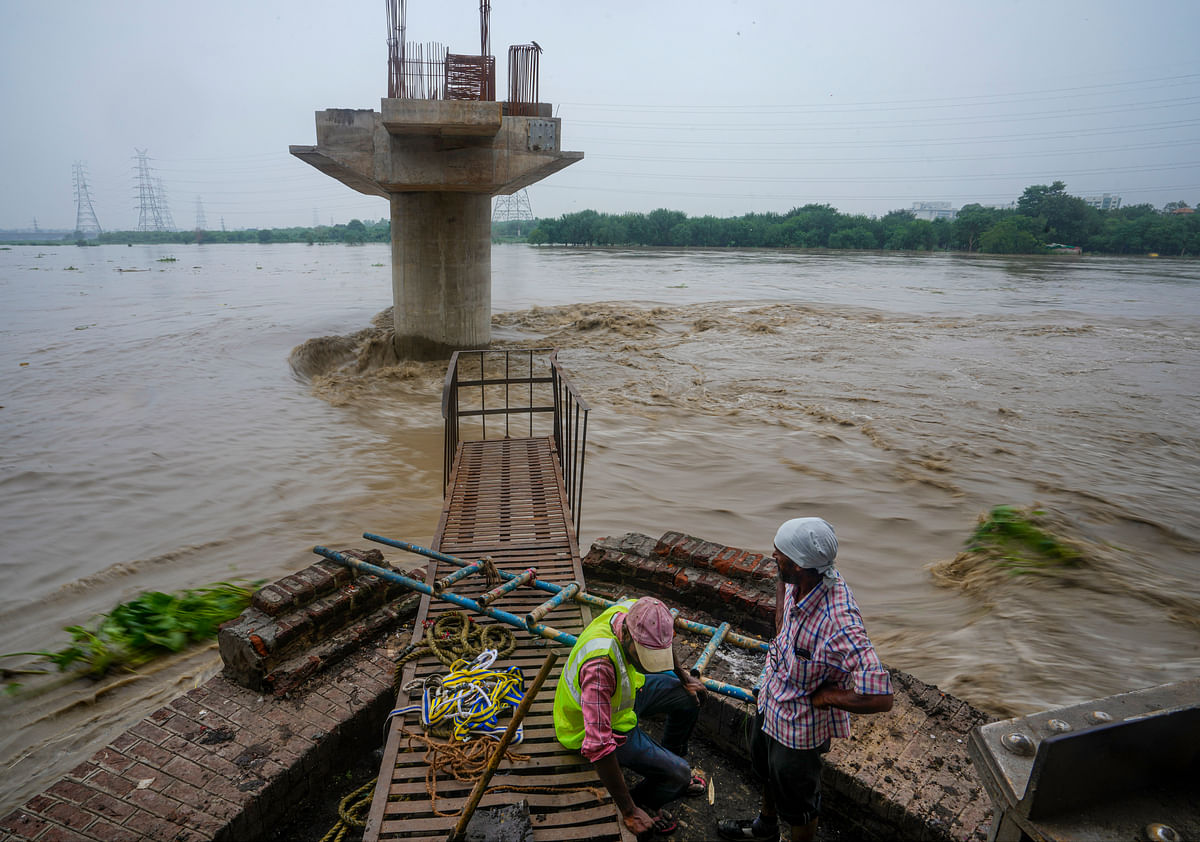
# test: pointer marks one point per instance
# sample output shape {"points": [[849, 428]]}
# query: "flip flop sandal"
{"points": [[698, 785], [665, 823], [751, 829]]}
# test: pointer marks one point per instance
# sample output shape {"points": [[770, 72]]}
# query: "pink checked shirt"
{"points": [[822, 639], [597, 685]]}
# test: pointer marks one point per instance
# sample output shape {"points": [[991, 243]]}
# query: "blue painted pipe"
{"points": [[549, 587], [706, 655], [744, 641], [534, 616], [508, 587], [721, 687], [446, 581], [453, 598]]}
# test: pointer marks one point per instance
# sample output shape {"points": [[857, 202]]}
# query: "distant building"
{"points": [[1106, 202], [934, 210]]}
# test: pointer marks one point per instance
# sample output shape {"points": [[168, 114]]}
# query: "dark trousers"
{"points": [[665, 774]]}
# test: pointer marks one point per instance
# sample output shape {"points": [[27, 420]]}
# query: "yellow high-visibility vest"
{"points": [[596, 641]]}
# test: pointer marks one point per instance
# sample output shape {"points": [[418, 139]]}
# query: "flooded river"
{"points": [[156, 436]]}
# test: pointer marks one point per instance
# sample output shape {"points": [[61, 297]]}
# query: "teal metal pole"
{"points": [[453, 598], [706, 655]]}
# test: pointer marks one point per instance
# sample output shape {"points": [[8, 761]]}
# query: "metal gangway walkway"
{"points": [[515, 435]]}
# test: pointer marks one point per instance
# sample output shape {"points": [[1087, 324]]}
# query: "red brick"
{"points": [[71, 791], [151, 826], [187, 771], [112, 833], [23, 824], [112, 760], [189, 707], [154, 802], [63, 834], [321, 580], [109, 807], [149, 732], [123, 742], [40, 803], [83, 771], [726, 559], [272, 600], [150, 754], [141, 772], [70, 815], [191, 809], [667, 541]]}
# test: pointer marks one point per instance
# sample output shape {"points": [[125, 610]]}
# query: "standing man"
{"points": [[821, 667], [618, 671]]}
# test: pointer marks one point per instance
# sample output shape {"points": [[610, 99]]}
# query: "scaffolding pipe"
{"points": [[508, 587], [446, 581], [535, 616], [710, 649], [453, 598], [740, 640]]}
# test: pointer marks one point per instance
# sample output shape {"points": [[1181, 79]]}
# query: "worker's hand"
{"points": [[827, 695], [694, 686], [638, 821]]}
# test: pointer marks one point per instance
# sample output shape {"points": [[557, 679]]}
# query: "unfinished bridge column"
{"points": [[439, 162], [441, 273]]}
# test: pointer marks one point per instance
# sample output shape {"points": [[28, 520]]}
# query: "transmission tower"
{"points": [[153, 214], [163, 207], [201, 222], [86, 224], [514, 208]]}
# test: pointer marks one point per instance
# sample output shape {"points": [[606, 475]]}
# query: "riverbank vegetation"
{"points": [[137, 631], [1045, 218]]}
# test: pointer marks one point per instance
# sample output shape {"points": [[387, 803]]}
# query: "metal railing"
{"points": [[525, 393]]}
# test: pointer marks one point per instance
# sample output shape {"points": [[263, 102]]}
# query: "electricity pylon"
{"points": [[514, 208], [86, 224], [153, 214]]}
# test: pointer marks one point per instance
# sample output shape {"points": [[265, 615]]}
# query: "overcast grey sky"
{"points": [[705, 107]]}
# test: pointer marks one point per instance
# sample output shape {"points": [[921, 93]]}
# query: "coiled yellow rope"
{"points": [[468, 701]]}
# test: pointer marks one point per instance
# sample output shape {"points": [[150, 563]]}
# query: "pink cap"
{"points": [[652, 628]]}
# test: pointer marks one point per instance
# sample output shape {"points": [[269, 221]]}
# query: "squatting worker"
{"points": [[618, 670], [821, 667]]}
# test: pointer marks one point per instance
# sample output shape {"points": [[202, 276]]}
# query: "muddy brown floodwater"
{"points": [[157, 438]]}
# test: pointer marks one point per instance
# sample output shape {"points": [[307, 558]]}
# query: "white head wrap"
{"points": [[809, 542]]}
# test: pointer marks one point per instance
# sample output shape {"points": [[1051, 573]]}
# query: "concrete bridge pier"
{"points": [[439, 162], [441, 273]]}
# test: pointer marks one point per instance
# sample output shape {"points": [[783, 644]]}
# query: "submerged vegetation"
{"points": [[1017, 541], [144, 628], [1008, 542]]}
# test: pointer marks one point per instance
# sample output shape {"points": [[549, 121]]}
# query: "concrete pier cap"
{"points": [[439, 162]]}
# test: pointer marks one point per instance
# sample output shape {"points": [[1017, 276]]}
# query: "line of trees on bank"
{"points": [[353, 232], [1044, 216]]}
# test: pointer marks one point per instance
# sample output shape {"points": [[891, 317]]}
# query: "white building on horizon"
{"points": [[934, 210], [1106, 202]]}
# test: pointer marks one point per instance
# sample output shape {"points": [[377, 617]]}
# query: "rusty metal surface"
{"points": [[430, 71], [505, 499], [470, 77], [523, 62]]}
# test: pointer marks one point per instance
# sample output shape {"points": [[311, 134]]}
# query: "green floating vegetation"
{"points": [[167, 260], [1016, 539], [151, 625]]}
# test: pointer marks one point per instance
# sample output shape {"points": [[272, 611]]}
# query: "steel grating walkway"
{"points": [[505, 499]]}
